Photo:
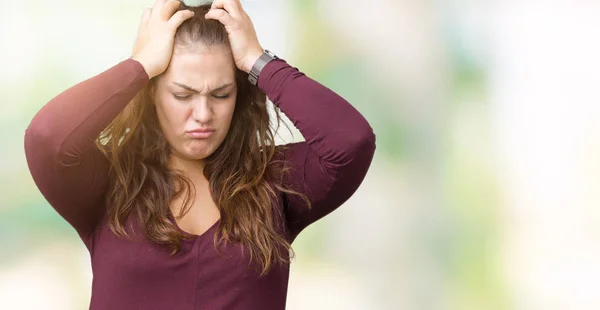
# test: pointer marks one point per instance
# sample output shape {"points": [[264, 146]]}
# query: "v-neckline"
{"points": [[189, 235]]}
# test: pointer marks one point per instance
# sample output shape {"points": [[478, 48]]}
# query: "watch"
{"points": [[260, 63]]}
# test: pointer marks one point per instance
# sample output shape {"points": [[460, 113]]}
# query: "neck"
{"points": [[193, 169]]}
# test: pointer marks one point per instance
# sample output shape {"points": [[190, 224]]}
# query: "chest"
{"points": [[199, 215], [129, 271]]}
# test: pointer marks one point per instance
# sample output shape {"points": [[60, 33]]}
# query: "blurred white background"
{"points": [[484, 189]]}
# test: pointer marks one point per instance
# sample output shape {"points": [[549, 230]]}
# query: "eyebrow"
{"points": [[189, 88]]}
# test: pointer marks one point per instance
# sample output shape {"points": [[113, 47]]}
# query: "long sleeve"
{"points": [[70, 172], [339, 147]]}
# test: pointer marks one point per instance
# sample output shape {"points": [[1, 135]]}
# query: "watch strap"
{"points": [[260, 63]]}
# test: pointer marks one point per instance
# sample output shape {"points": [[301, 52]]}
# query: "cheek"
{"points": [[172, 113], [230, 107], [226, 112]]}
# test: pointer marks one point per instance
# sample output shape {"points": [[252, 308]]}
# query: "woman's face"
{"points": [[195, 100]]}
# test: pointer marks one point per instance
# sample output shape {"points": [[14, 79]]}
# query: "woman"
{"points": [[166, 166]]}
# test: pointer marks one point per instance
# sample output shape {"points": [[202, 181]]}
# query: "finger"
{"points": [[179, 17], [157, 8], [145, 17], [169, 8], [231, 6], [220, 15]]}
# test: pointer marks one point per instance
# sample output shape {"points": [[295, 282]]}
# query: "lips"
{"points": [[200, 133]]}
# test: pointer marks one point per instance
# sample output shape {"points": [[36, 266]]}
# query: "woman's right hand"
{"points": [[153, 47]]}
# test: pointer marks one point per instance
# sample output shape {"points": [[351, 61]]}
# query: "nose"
{"points": [[201, 110]]}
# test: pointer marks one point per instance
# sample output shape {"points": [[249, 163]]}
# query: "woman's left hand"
{"points": [[242, 37]]}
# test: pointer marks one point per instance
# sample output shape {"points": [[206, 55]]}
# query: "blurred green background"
{"points": [[483, 193]]}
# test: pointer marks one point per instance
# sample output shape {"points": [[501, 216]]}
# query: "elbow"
{"points": [[367, 138], [358, 147], [363, 139], [364, 145], [35, 144], [49, 141], [40, 142]]}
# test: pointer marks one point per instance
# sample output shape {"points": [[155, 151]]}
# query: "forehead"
{"points": [[206, 67]]}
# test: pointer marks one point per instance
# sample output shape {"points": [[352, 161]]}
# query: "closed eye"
{"points": [[189, 96], [181, 97]]}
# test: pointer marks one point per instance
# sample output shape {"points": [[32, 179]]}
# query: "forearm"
{"points": [[329, 123]]}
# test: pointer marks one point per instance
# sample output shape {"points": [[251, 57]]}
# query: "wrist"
{"points": [[265, 57], [144, 65], [251, 60]]}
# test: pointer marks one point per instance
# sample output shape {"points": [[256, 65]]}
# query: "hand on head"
{"points": [[153, 47], [244, 43]]}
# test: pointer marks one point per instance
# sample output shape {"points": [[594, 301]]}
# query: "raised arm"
{"points": [[339, 147], [69, 170], [66, 166]]}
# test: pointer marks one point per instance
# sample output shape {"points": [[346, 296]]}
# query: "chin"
{"points": [[196, 150], [196, 155]]}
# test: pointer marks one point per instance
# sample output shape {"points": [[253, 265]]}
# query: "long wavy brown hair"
{"points": [[245, 173]]}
